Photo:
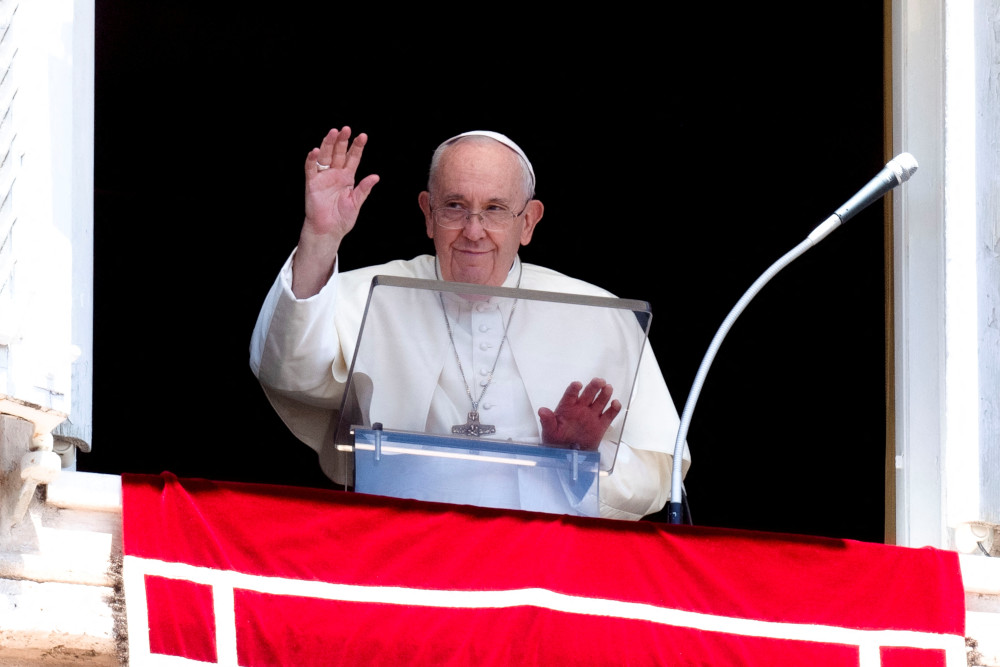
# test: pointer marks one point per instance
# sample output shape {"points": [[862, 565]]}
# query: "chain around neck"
{"points": [[451, 336]]}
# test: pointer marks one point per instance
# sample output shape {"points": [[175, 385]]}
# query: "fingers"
{"points": [[322, 155], [352, 156], [363, 189], [609, 415], [547, 418], [337, 151], [312, 162], [597, 393], [367, 183], [340, 148], [571, 395], [582, 416]]}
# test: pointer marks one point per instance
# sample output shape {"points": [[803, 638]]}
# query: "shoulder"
{"points": [[421, 266], [543, 278]]}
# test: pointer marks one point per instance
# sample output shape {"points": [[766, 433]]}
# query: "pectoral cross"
{"points": [[473, 427]]}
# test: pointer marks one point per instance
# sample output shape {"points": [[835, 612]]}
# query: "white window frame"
{"points": [[946, 284], [46, 293]]}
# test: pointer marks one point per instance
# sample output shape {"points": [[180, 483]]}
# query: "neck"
{"points": [[480, 297]]}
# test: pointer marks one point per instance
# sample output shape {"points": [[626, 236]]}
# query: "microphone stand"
{"points": [[674, 511], [896, 172]]}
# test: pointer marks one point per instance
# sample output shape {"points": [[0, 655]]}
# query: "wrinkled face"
{"points": [[477, 177]]}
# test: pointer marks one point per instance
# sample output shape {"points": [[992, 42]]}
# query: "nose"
{"points": [[474, 228]]}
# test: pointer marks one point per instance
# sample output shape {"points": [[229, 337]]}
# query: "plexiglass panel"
{"points": [[461, 371]]}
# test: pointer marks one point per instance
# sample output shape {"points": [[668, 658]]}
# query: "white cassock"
{"points": [[302, 350]]}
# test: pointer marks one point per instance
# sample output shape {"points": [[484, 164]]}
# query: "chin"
{"points": [[479, 275], [474, 277]]}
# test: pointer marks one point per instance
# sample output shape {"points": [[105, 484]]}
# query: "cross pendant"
{"points": [[473, 427]]}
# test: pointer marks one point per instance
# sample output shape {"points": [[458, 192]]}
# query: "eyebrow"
{"points": [[492, 200]]}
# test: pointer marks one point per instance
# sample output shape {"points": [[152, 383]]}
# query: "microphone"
{"points": [[896, 172]]}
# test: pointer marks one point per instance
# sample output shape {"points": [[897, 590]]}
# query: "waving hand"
{"points": [[333, 200]]}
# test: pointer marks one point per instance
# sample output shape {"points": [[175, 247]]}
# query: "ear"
{"points": [[532, 214], [424, 199]]}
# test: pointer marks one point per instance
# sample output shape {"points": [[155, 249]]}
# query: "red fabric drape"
{"points": [[292, 576]]}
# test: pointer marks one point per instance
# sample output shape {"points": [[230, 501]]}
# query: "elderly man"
{"points": [[479, 209]]}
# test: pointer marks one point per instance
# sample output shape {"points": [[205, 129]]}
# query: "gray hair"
{"points": [[527, 172]]}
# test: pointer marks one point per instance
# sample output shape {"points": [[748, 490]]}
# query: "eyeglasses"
{"points": [[494, 217]]}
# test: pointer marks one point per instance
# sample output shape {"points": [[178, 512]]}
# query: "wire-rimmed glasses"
{"points": [[495, 217]]}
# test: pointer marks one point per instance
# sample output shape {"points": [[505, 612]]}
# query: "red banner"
{"points": [[255, 575]]}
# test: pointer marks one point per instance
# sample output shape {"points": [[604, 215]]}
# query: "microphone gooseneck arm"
{"points": [[897, 171]]}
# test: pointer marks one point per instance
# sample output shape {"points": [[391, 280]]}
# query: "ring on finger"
{"points": [[321, 167]]}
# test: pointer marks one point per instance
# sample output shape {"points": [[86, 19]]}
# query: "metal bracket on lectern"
{"points": [[377, 427]]}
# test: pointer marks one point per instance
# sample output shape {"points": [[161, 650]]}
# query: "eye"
{"points": [[454, 205], [496, 208]]}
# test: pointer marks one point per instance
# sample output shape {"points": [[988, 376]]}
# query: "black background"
{"points": [[679, 154]]}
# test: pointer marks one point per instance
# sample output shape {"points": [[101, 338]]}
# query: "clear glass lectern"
{"points": [[442, 399]]}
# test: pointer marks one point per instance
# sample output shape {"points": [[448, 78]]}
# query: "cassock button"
{"points": [[483, 328], [484, 346]]}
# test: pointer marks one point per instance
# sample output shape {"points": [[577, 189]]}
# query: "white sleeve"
{"points": [[638, 485], [296, 355]]}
